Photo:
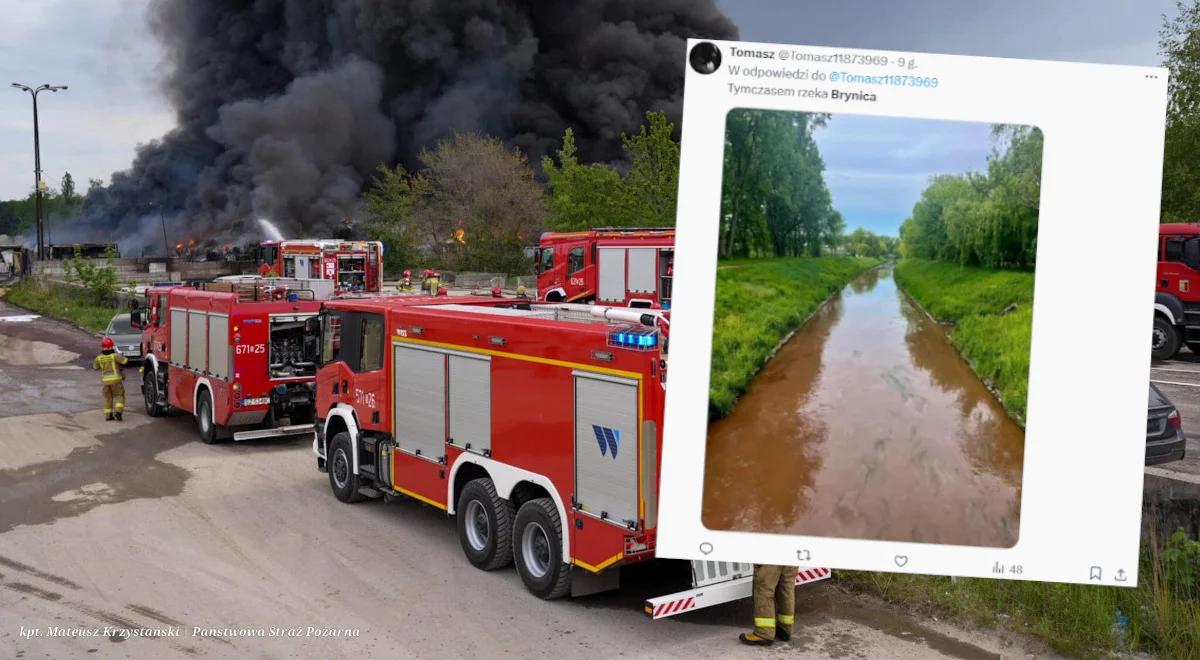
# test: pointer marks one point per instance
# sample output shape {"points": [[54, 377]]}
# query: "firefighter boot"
{"points": [[754, 640], [108, 417], [118, 416]]}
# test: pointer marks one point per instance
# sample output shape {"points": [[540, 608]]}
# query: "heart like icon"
{"points": [[705, 548], [901, 560]]}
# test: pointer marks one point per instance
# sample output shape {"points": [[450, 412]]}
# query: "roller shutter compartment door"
{"points": [[218, 345], [612, 275], [643, 271], [471, 402], [179, 337], [197, 341], [419, 403], [606, 447]]}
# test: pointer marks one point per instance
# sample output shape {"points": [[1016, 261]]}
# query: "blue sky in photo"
{"points": [[876, 167]]}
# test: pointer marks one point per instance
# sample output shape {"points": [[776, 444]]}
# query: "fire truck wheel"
{"points": [[537, 545], [485, 525], [204, 418], [150, 393], [1165, 340], [342, 479]]}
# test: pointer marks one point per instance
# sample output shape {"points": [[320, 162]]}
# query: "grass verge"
{"points": [[992, 313], [759, 301], [71, 304], [1163, 611]]}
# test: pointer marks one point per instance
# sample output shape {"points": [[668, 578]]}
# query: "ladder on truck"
{"points": [[716, 582]]}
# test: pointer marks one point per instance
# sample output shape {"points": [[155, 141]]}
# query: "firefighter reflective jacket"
{"points": [[109, 363]]}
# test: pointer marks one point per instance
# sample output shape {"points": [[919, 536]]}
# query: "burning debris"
{"points": [[285, 108]]}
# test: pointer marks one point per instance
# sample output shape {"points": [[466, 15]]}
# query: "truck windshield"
{"points": [[546, 260]]}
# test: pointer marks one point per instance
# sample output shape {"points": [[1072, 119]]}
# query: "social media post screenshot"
{"points": [[910, 312]]}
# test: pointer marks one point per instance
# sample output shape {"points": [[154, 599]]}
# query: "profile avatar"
{"points": [[705, 58]]}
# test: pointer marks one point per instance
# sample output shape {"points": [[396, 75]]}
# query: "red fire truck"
{"points": [[1176, 301], [355, 266], [237, 354], [611, 266], [536, 424]]}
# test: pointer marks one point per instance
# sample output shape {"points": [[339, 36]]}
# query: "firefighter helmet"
{"points": [[106, 344], [407, 273]]}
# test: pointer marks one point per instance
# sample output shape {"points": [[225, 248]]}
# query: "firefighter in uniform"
{"points": [[109, 364], [774, 605]]}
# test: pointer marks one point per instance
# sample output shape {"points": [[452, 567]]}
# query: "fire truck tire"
{"points": [[150, 393], [204, 418], [340, 464], [537, 549], [1165, 340], [485, 525]]}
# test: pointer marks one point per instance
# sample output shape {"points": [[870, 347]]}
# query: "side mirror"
{"points": [[1191, 253]]}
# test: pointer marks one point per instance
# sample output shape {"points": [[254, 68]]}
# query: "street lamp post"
{"points": [[37, 162]]}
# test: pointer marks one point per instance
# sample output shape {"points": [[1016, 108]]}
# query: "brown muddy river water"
{"points": [[868, 425]]}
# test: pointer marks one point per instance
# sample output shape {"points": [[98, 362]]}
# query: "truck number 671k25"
{"points": [[250, 349]]}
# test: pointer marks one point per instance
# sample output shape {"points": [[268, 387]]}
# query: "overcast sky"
{"points": [[103, 50]]}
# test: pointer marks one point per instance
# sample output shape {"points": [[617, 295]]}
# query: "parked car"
{"points": [[127, 339], [1165, 440]]}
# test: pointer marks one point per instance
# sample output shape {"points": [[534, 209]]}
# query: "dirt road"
{"points": [[140, 526]]}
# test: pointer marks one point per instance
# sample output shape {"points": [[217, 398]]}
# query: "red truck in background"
{"points": [[1177, 291], [611, 266], [353, 266], [537, 424], [239, 355]]}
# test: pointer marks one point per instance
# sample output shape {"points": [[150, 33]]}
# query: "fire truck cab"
{"points": [[1177, 291], [241, 356], [613, 266], [353, 266], [537, 425]]}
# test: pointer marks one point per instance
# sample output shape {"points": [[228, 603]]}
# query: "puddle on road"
{"points": [[121, 467], [25, 352], [867, 424]]}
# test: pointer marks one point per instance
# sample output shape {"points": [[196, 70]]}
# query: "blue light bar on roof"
{"points": [[639, 338]]}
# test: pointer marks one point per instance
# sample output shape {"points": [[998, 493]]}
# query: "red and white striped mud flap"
{"points": [[715, 593]]}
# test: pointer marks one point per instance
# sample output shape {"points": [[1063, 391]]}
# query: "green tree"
{"points": [[597, 195], [774, 200], [650, 188], [1179, 45], [979, 219], [67, 191], [582, 196], [389, 205], [99, 280], [474, 205]]}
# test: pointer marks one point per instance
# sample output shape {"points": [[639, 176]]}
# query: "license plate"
{"points": [[256, 402]]}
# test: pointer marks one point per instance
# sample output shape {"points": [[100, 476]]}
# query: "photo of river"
{"points": [[867, 424]]}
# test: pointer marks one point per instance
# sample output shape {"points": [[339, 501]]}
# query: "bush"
{"points": [[99, 281]]}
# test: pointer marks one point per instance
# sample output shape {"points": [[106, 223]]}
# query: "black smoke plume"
{"points": [[285, 107]]}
